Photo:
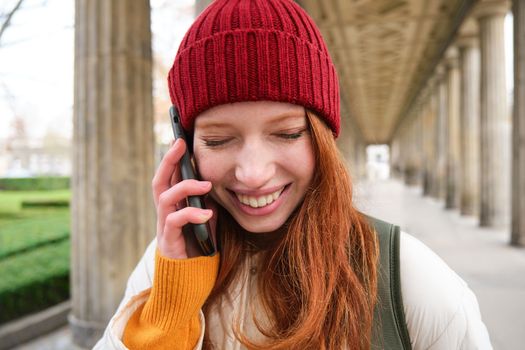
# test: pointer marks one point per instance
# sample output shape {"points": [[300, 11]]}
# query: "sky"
{"points": [[36, 60], [36, 67]]}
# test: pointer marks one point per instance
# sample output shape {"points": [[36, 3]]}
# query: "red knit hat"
{"points": [[248, 50]]}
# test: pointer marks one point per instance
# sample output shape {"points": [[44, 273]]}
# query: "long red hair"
{"points": [[318, 287]]}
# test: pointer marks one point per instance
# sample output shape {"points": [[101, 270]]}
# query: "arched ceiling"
{"points": [[384, 50]]}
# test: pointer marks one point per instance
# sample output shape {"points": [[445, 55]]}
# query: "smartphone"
{"points": [[200, 231]]}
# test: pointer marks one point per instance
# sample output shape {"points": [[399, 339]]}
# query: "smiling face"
{"points": [[259, 157]]}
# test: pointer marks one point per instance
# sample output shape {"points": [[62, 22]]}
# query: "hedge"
{"points": [[32, 231], [34, 280], [43, 203], [40, 183]]}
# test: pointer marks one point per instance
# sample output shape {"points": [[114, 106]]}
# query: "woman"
{"points": [[298, 264]]}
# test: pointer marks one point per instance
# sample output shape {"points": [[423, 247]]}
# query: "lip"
{"points": [[268, 209], [258, 193]]}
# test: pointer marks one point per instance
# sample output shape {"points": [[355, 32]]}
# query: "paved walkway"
{"points": [[58, 340], [492, 268], [482, 257]]}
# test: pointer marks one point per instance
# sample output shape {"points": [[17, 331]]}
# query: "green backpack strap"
{"points": [[390, 329]]}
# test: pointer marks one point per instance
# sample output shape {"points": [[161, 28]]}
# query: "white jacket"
{"points": [[441, 311]]}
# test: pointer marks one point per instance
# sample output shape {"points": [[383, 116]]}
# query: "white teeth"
{"points": [[257, 202]]}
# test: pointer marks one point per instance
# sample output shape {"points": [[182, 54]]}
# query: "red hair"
{"points": [[318, 287]]}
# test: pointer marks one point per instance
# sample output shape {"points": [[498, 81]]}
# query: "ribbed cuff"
{"points": [[180, 288]]}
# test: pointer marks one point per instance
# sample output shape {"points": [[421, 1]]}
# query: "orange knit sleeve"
{"points": [[170, 317]]}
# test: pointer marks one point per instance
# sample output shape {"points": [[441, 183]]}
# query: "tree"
{"points": [[8, 17]]}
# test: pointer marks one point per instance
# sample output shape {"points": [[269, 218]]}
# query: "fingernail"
{"points": [[205, 184], [205, 215]]}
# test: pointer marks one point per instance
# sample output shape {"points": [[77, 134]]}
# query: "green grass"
{"points": [[11, 201], [23, 229], [33, 228]]}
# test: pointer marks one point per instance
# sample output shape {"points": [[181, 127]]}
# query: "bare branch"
{"points": [[10, 98], [8, 18]]}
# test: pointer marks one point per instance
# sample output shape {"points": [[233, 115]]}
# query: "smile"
{"points": [[259, 201]]}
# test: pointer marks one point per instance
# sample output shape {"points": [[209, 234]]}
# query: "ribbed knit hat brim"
{"points": [[230, 54]]}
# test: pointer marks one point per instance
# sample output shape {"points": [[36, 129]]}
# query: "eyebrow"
{"points": [[215, 125], [277, 119], [287, 115]]}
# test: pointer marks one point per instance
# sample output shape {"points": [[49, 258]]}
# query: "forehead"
{"points": [[249, 112]]}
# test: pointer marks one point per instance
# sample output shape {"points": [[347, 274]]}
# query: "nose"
{"points": [[255, 166]]}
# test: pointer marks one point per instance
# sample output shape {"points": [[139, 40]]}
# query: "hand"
{"points": [[169, 195]]}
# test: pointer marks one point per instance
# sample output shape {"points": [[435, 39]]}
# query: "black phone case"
{"points": [[201, 231]]}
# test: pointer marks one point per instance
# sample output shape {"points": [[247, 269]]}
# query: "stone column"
{"points": [[495, 116], [518, 151], [400, 163], [409, 136], [419, 142], [469, 122], [410, 149], [113, 216], [452, 165], [441, 134], [201, 5], [415, 146], [346, 140], [350, 143], [395, 167], [361, 160], [429, 133], [345, 145], [406, 155]]}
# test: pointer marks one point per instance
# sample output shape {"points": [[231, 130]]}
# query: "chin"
{"points": [[259, 228], [262, 227]]}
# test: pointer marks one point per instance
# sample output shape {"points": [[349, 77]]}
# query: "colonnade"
{"points": [[454, 142], [465, 154]]}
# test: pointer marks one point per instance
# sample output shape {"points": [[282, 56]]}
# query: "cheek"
{"points": [[309, 166], [211, 168], [301, 161]]}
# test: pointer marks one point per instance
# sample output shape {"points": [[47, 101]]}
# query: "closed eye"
{"points": [[291, 136], [215, 142]]}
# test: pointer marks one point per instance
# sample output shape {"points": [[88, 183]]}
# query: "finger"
{"points": [[170, 199], [169, 163], [189, 215], [168, 169], [175, 221], [193, 248], [176, 176]]}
